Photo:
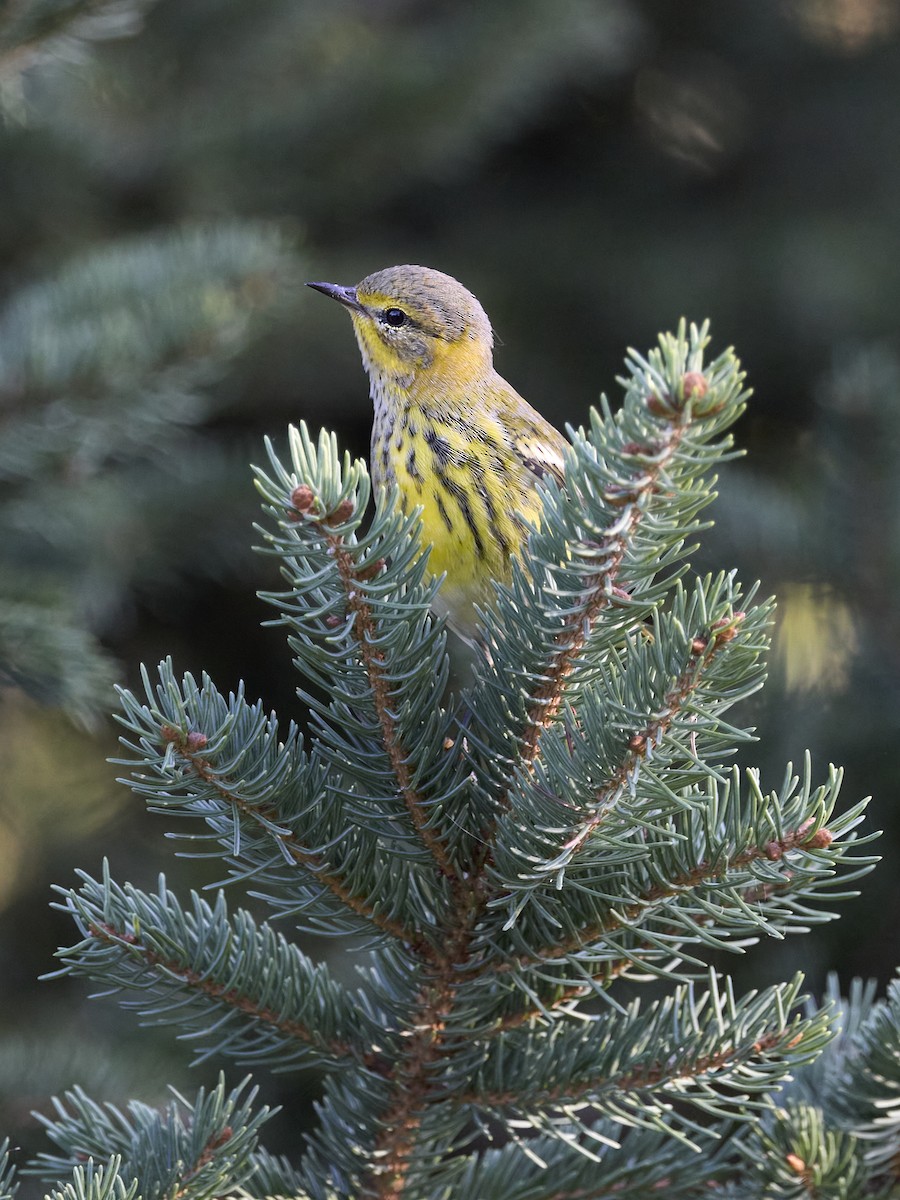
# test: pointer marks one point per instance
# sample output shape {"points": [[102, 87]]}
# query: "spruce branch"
{"points": [[331, 523], [801, 1156], [105, 366], [645, 1163], [612, 538], [719, 1051], [94, 1181], [194, 1150], [233, 987], [741, 862], [272, 1175], [123, 340], [47, 653], [9, 1185], [835, 1132], [872, 1097], [359, 608], [642, 740], [262, 799]]}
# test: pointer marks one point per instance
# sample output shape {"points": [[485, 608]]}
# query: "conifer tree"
{"points": [[105, 368], [534, 875], [106, 365]]}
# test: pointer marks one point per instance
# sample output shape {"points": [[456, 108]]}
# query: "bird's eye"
{"points": [[394, 317]]}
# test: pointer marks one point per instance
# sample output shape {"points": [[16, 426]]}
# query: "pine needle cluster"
{"points": [[534, 876]]}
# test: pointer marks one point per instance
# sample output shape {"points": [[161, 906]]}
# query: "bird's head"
{"points": [[411, 321]]}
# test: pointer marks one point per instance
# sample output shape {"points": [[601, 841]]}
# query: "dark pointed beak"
{"points": [[344, 295]]}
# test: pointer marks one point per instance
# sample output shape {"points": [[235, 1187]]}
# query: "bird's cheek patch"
{"points": [[419, 348]]}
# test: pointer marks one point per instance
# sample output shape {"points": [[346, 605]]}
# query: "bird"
{"points": [[449, 434]]}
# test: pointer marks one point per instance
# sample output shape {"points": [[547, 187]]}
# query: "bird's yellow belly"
{"points": [[453, 553], [471, 512]]}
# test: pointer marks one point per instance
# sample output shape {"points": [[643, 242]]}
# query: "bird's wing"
{"points": [[540, 453]]}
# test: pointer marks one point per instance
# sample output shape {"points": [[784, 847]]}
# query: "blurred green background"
{"points": [[593, 171]]}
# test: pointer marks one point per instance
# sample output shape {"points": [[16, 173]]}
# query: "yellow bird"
{"points": [[449, 433]]}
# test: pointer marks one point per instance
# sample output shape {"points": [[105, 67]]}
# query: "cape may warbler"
{"points": [[449, 434]]}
